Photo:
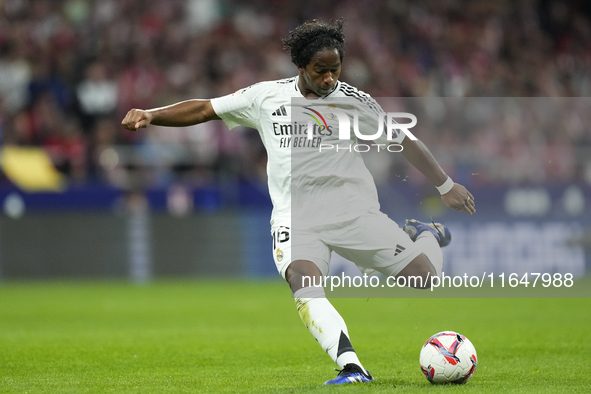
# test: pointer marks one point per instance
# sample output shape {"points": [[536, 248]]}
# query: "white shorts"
{"points": [[373, 241]]}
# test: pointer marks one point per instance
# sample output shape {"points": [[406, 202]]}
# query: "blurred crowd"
{"points": [[71, 69]]}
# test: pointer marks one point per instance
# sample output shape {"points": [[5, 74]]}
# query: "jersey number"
{"points": [[280, 236]]}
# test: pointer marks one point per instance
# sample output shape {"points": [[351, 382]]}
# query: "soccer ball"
{"points": [[448, 357]]}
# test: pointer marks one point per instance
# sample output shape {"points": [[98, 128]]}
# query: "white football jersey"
{"points": [[317, 179]]}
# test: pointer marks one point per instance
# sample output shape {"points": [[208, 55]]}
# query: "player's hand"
{"points": [[459, 199], [136, 118]]}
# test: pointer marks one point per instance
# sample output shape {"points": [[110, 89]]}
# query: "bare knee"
{"points": [[419, 272], [300, 273]]}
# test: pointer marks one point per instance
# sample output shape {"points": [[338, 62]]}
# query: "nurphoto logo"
{"points": [[341, 124], [390, 119]]}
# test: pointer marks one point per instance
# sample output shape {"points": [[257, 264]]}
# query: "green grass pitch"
{"points": [[246, 337]]}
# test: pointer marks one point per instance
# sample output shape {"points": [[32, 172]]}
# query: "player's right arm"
{"points": [[184, 113]]}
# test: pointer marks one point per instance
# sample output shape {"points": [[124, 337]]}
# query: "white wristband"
{"points": [[446, 187]]}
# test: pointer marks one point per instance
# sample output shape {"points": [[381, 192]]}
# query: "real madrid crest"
{"points": [[279, 254], [330, 115]]}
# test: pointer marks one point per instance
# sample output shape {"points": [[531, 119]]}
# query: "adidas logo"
{"points": [[399, 249], [280, 112]]}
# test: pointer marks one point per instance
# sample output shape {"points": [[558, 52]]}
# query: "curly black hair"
{"points": [[313, 36]]}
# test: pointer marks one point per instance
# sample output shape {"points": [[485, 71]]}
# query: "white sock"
{"points": [[430, 247], [326, 325]]}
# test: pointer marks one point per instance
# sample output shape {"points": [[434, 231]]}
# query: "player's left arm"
{"points": [[458, 198]]}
